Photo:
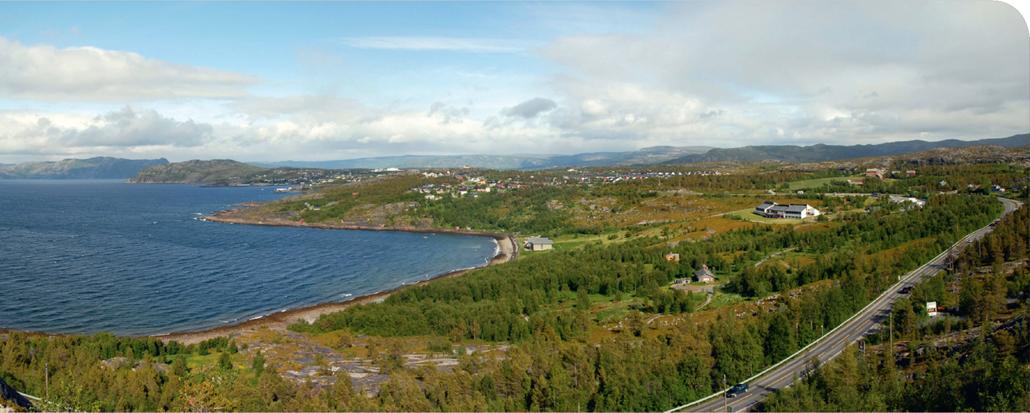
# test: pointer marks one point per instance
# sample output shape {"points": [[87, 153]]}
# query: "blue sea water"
{"points": [[90, 256]]}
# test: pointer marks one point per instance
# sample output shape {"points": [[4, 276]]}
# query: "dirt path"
{"points": [[708, 299]]}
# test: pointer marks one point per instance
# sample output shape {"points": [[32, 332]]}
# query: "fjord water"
{"points": [[90, 256]]}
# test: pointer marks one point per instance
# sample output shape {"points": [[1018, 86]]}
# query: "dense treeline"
{"points": [[975, 178], [979, 362], [862, 244], [1010, 241], [107, 373]]}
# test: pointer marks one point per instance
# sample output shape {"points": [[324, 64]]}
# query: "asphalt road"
{"points": [[825, 349]]}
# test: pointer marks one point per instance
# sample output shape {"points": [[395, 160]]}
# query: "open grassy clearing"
{"points": [[818, 182]]}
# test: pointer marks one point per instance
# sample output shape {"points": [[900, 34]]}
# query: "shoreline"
{"points": [[507, 250]]}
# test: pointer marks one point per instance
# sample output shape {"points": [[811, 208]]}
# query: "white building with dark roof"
{"points": [[796, 211], [764, 207]]}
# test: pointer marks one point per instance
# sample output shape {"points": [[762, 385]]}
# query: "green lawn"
{"points": [[722, 299]]}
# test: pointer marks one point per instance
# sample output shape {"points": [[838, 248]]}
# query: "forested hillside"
{"points": [[219, 171], [975, 356]]}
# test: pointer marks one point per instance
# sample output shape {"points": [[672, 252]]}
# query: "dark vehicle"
{"points": [[737, 390], [905, 290]]}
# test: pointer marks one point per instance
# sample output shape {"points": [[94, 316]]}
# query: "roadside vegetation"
{"points": [[973, 356]]}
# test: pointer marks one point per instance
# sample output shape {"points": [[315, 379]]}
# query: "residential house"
{"points": [[931, 308], [704, 275], [672, 257]]}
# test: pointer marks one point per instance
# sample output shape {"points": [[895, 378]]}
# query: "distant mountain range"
{"points": [[92, 168], [644, 156], [820, 152], [657, 155], [160, 170]]}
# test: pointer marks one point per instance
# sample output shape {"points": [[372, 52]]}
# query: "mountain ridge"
{"points": [[100, 167], [823, 152], [215, 171], [642, 156]]}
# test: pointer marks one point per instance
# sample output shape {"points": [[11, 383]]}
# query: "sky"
{"points": [[267, 81]]}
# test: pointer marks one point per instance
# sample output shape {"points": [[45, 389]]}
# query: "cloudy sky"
{"points": [[319, 81]]}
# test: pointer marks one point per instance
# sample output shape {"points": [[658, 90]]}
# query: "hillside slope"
{"points": [[213, 172]]}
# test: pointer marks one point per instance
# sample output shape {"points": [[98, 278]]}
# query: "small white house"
{"points": [[931, 308], [538, 244]]}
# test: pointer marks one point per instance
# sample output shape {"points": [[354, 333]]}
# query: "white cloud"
{"points": [[119, 131], [837, 72], [47, 73], [427, 43]]}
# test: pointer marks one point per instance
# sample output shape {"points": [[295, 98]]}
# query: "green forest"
{"points": [[975, 358]]}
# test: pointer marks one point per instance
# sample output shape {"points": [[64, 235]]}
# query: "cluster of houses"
{"points": [[612, 177], [771, 209], [300, 179], [469, 186]]}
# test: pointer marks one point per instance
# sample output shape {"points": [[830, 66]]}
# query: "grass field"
{"points": [[818, 182]]}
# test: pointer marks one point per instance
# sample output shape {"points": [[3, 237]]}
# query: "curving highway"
{"points": [[833, 343]]}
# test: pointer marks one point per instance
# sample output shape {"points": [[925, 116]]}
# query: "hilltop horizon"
{"points": [[685, 149]]}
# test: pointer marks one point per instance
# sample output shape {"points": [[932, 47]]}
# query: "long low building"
{"points": [[538, 244], [771, 209]]}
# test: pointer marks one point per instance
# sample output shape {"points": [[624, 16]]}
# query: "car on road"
{"points": [[905, 290], [737, 390]]}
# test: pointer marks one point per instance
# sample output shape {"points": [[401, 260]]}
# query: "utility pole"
{"points": [[724, 401], [892, 335], [46, 379]]}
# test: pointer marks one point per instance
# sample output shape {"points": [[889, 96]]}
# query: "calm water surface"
{"points": [[89, 256]]}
